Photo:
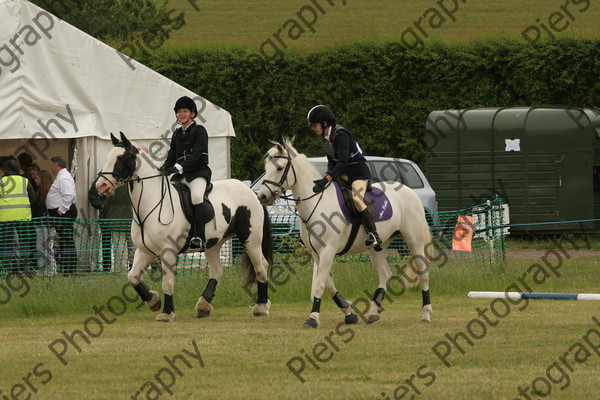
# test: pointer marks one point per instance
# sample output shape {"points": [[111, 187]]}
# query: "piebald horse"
{"points": [[160, 228], [325, 231]]}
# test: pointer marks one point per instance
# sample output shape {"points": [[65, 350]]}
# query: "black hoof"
{"points": [[351, 319], [373, 319], [202, 313], [310, 323]]}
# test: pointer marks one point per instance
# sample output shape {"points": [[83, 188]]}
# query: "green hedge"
{"points": [[381, 92]]}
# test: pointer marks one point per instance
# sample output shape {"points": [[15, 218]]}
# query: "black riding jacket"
{"points": [[189, 148]]}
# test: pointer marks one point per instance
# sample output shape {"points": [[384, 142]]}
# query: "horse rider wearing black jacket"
{"points": [[345, 161], [188, 161]]}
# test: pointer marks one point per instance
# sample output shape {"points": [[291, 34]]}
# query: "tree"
{"points": [[119, 21]]}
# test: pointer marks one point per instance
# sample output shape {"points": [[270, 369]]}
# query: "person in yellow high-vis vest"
{"points": [[16, 195]]}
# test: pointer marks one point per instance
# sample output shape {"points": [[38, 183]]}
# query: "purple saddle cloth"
{"points": [[376, 200]]}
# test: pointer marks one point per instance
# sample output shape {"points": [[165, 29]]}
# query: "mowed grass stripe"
{"points": [[237, 23], [245, 357]]}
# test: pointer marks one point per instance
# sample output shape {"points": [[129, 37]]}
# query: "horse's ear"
{"points": [[115, 141], [279, 147], [125, 141], [289, 146]]}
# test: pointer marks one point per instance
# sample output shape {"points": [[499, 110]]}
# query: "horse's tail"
{"points": [[411, 275], [267, 250]]}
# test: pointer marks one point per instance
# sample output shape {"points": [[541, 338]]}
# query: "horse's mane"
{"points": [[288, 145]]}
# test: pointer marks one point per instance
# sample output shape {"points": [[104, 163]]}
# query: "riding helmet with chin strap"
{"points": [[319, 114], [186, 102]]}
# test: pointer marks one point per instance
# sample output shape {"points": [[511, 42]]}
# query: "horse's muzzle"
{"points": [[104, 187], [266, 200]]}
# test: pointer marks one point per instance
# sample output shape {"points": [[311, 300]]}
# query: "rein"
{"points": [[130, 179], [160, 202], [299, 199], [137, 179], [284, 178], [279, 185]]}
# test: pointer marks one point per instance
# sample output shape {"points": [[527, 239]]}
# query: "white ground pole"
{"points": [[527, 295]]}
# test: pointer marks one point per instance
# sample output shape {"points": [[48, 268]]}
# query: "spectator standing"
{"points": [[28, 166], [115, 234], [29, 234], [61, 203], [16, 196], [32, 175], [45, 233]]}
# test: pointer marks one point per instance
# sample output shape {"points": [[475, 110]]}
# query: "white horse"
{"points": [[326, 232], [160, 228]]}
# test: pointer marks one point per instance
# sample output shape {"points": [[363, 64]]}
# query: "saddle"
{"points": [[376, 201], [185, 198]]}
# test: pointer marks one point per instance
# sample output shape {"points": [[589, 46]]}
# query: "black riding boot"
{"points": [[197, 241], [372, 236]]}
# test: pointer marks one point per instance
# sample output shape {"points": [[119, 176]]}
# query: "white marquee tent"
{"points": [[62, 92]]}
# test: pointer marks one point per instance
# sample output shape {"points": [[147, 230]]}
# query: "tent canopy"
{"points": [[48, 67], [59, 83]]}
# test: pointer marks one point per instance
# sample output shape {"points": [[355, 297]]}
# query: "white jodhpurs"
{"points": [[197, 189]]}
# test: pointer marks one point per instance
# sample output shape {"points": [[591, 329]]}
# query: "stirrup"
{"points": [[196, 243], [373, 240]]}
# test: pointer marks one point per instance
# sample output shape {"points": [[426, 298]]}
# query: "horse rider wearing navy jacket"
{"points": [[188, 161], [345, 161]]}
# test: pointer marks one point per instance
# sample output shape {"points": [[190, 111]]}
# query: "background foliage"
{"points": [[118, 20], [382, 93], [379, 90]]}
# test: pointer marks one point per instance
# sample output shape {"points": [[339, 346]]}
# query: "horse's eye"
{"points": [[279, 168]]}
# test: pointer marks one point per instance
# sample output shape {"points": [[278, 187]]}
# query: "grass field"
{"points": [[247, 24], [243, 357]]}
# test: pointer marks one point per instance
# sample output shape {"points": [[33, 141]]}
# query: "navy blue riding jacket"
{"points": [[344, 155]]}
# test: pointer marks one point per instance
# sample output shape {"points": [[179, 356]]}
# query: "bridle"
{"points": [[284, 176], [131, 157], [283, 179]]}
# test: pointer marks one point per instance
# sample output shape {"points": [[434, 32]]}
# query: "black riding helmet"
{"points": [[186, 102], [319, 114]]}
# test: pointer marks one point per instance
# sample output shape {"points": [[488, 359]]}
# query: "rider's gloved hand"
{"points": [[320, 185], [168, 170]]}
